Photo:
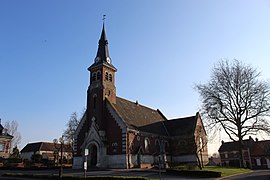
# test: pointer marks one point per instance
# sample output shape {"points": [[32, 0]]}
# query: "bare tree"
{"points": [[12, 129], [237, 100], [72, 125]]}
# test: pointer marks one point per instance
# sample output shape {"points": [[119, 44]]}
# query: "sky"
{"points": [[160, 48]]}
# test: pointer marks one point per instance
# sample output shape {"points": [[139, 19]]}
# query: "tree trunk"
{"points": [[242, 163], [199, 161], [241, 159]]}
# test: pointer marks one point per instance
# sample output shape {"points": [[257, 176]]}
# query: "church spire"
{"points": [[103, 51], [102, 57]]}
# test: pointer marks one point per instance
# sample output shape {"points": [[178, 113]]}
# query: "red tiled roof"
{"points": [[44, 146]]}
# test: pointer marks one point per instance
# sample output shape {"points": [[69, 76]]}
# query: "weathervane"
{"points": [[104, 17]]}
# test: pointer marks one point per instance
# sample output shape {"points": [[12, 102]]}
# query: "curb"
{"points": [[222, 178]]}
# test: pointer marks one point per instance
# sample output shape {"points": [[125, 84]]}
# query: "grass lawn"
{"points": [[227, 171]]}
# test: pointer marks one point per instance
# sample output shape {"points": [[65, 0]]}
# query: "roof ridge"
{"points": [[182, 118], [40, 147], [138, 103]]}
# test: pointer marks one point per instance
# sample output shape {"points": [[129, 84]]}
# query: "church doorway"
{"points": [[139, 160], [93, 155]]}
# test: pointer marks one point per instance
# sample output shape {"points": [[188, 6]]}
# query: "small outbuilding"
{"points": [[48, 150], [5, 142]]}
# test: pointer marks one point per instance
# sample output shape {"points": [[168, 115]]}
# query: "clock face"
{"points": [[97, 59], [108, 60]]}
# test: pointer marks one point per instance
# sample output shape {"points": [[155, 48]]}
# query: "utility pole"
{"points": [[86, 152], [61, 158]]}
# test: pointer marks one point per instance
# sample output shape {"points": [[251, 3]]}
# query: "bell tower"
{"points": [[102, 82]]}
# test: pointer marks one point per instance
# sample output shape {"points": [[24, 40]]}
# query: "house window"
{"points": [[2, 147], [226, 155], [94, 101], [157, 145], [258, 161], [201, 144], [146, 144], [166, 146]]}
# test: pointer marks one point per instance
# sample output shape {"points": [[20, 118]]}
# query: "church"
{"points": [[117, 133]]}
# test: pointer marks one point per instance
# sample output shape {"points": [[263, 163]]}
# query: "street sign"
{"points": [[85, 165]]}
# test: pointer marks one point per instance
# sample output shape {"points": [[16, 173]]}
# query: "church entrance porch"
{"points": [[92, 161]]}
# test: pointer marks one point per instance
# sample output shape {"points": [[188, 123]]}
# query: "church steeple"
{"points": [[102, 74], [102, 56], [103, 51]]}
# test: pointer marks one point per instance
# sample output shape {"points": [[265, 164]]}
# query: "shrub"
{"points": [[36, 158], [194, 173]]}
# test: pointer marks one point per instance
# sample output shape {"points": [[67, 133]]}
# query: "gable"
{"points": [[181, 126], [136, 115], [199, 129]]}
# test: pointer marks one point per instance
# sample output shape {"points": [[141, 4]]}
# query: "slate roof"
{"points": [[145, 119], [44, 146], [103, 51], [233, 146], [260, 148], [4, 135], [136, 115], [181, 126], [174, 127], [155, 128]]}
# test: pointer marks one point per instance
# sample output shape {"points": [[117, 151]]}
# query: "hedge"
{"points": [[72, 177], [194, 173]]}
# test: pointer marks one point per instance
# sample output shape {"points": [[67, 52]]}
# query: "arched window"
{"points": [[146, 144], [98, 75], [110, 77], [157, 145], [201, 144], [94, 76], [106, 76], [95, 101], [166, 146]]}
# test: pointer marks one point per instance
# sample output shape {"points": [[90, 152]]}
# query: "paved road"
{"points": [[257, 175], [149, 173]]}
